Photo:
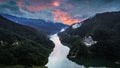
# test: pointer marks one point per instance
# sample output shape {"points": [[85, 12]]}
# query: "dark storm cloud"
{"points": [[12, 7], [61, 10], [9, 7], [86, 8], [92, 1]]}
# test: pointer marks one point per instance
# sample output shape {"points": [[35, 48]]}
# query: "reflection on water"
{"points": [[58, 58]]}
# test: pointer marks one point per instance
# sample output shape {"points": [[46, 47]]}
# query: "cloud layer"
{"points": [[66, 11]]}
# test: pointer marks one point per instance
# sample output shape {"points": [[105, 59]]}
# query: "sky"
{"points": [[65, 11]]}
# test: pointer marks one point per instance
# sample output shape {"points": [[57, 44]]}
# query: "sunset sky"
{"points": [[65, 11]]}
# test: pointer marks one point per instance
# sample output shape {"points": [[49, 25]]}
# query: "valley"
{"points": [[59, 33], [93, 42]]}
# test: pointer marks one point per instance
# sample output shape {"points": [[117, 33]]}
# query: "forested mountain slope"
{"points": [[97, 37], [21, 44]]}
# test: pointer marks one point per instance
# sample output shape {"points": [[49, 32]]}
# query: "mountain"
{"points": [[20, 44], [40, 25], [97, 38]]}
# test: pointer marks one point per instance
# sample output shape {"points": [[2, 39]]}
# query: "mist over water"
{"points": [[58, 58]]}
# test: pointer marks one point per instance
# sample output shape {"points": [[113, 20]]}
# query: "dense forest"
{"points": [[22, 45]]}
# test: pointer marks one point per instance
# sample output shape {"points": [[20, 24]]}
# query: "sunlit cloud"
{"points": [[54, 6], [56, 3], [65, 11], [64, 17], [34, 7]]}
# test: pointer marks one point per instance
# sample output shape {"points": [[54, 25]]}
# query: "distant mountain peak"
{"points": [[48, 27]]}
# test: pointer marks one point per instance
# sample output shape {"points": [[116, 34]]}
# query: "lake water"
{"points": [[58, 58]]}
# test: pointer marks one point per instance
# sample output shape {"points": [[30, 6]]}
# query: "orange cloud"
{"points": [[64, 17], [39, 6], [59, 15], [56, 3], [33, 8]]}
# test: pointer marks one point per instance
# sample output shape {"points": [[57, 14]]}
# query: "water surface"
{"points": [[58, 58]]}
